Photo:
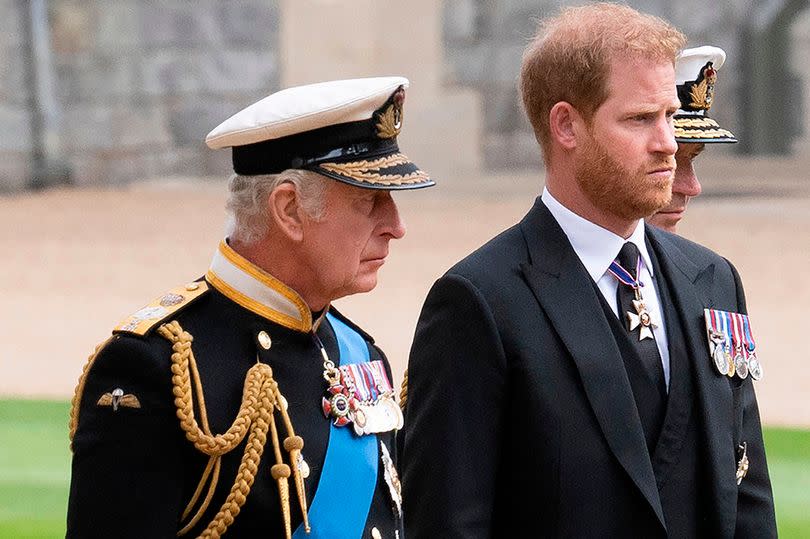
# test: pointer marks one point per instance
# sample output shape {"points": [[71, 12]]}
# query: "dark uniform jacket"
{"points": [[521, 419], [135, 471]]}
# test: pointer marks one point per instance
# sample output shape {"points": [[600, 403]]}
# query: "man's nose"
{"points": [[393, 225], [686, 181]]}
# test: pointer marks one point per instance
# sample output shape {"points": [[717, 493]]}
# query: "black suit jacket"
{"points": [[520, 414]]}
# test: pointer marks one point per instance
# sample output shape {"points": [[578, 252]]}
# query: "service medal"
{"points": [[374, 409], [721, 361], [738, 341], [749, 345], [391, 479], [754, 366], [717, 341]]}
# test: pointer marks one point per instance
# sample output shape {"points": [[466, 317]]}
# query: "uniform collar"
{"points": [[595, 246], [256, 290]]}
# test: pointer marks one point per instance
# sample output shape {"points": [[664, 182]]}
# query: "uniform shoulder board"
{"points": [[146, 318]]}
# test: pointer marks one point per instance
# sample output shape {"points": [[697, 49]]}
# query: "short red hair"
{"points": [[569, 58]]}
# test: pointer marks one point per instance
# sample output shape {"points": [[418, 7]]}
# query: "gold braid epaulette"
{"points": [[260, 399]]}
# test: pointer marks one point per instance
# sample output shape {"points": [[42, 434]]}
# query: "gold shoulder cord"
{"points": [[76, 402], [260, 399], [403, 391]]}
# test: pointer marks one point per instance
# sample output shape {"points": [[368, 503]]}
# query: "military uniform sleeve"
{"points": [[126, 447], [456, 380], [755, 508]]}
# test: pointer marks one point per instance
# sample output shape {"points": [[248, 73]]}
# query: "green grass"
{"points": [[35, 471], [34, 468], [788, 452]]}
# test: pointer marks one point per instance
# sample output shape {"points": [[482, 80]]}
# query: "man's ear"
{"points": [[565, 123], [285, 211]]}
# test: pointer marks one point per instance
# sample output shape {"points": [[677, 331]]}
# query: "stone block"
{"points": [[460, 20], [15, 128], [248, 23], [15, 171], [94, 77], [191, 120], [444, 135], [13, 74], [74, 26], [88, 127], [118, 27], [166, 72], [503, 113], [137, 124], [12, 19], [511, 150], [469, 65], [206, 72], [94, 127], [241, 71], [178, 24]]}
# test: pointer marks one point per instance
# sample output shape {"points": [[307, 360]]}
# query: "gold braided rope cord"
{"points": [[76, 402], [260, 399], [403, 391]]}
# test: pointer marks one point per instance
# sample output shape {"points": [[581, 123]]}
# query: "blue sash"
{"points": [[349, 475]]}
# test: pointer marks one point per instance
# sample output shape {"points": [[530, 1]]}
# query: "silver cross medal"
{"points": [[642, 317]]}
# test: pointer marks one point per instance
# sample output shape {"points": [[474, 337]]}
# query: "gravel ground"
{"points": [[78, 261]]}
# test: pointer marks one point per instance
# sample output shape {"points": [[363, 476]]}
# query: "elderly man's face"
{"points": [[344, 249], [684, 187], [627, 162]]}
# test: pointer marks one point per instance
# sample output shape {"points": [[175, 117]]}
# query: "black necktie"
{"points": [[652, 391]]}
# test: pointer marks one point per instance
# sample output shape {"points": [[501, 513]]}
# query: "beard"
{"points": [[618, 191]]}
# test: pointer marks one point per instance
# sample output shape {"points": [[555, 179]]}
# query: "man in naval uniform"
{"points": [[695, 76], [241, 402], [562, 379]]}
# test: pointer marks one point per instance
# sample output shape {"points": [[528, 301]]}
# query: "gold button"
{"points": [[264, 340], [375, 533], [192, 286]]}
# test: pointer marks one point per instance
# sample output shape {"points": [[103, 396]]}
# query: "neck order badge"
{"points": [[349, 475], [642, 318]]}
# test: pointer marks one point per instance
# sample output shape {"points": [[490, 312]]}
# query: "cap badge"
{"points": [[389, 119], [702, 93]]}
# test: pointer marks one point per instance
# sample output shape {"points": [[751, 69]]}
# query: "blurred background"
{"points": [[109, 197]]}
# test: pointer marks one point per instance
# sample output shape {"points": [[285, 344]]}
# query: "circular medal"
{"points": [[741, 366], [720, 361], [729, 362], [360, 417], [303, 466], [754, 367], [340, 405]]}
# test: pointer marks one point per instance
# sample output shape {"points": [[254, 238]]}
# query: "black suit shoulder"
{"points": [[496, 260]]}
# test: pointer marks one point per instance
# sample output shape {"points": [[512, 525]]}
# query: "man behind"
{"points": [[695, 76], [547, 398], [241, 402]]}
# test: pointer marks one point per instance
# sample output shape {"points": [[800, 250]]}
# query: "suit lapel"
{"points": [[564, 290], [692, 292]]}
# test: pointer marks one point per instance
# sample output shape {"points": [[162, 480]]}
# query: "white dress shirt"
{"points": [[596, 248]]}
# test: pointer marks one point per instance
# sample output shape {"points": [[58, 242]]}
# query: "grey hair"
{"points": [[247, 201]]}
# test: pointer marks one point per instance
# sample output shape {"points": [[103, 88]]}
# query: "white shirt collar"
{"points": [[595, 246]]}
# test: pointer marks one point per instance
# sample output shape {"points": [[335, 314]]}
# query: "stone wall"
{"points": [[143, 82], [138, 84], [484, 42], [15, 133]]}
